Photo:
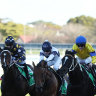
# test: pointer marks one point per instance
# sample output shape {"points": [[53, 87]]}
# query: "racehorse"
{"points": [[13, 83], [46, 83], [79, 82]]}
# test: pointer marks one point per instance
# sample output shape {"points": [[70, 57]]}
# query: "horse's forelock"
{"points": [[68, 52], [42, 63]]}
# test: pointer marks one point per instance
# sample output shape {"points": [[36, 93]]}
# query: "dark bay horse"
{"points": [[13, 83], [46, 83], [79, 82]]}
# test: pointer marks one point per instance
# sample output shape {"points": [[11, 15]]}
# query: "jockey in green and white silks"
{"points": [[51, 54]]}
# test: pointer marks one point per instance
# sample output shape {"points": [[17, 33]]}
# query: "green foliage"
{"points": [[47, 24], [11, 28], [84, 20], [41, 30]]}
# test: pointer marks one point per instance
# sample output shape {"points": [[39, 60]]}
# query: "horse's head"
{"points": [[42, 64], [69, 61], [6, 58], [40, 74]]}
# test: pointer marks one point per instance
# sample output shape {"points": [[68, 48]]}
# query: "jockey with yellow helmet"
{"points": [[85, 52]]}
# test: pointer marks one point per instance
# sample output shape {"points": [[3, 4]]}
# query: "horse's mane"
{"points": [[69, 52]]}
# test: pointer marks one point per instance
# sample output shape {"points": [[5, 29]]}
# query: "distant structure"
{"points": [[25, 39]]}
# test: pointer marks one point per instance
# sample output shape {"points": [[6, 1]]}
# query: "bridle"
{"points": [[5, 54], [73, 65]]}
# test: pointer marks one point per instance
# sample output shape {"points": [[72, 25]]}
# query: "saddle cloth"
{"points": [[30, 72]]}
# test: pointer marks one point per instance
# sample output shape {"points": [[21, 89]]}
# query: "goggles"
{"points": [[47, 51], [80, 45]]}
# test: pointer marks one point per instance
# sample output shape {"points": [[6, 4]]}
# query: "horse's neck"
{"points": [[48, 74], [11, 73], [76, 76]]}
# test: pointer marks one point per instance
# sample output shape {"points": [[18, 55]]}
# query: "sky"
{"points": [[56, 11]]}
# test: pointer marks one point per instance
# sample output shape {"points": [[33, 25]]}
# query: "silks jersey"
{"points": [[86, 52], [17, 51]]}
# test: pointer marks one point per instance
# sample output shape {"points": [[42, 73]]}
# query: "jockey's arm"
{"points": [[21, 55], [50, 59], [41, 56]]}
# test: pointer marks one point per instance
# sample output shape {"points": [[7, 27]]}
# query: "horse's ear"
{"points": [[1, 49], [33, 64], [66, 51]]}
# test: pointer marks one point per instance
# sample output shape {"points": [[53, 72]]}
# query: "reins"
{"points": [[11, 62], [73, 65]]}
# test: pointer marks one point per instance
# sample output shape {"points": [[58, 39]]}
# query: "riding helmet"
{"points": [[80, 40], [46, 46], [9, 41]]}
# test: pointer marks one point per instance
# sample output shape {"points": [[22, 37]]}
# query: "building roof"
{"points": [[27, 39]]}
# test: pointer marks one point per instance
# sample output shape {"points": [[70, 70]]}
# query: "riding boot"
{"points": [[26, 71]]}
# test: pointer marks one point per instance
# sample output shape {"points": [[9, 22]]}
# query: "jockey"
{"points": [[51, 54], [85, 52], [18, 53]]}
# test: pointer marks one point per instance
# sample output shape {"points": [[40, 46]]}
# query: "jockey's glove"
{"points": [[13, 58], [89, 65], [14, 61]]}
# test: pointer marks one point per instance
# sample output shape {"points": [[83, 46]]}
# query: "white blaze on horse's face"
{"points": [[65, 60], [4, 56], [4, 59]]}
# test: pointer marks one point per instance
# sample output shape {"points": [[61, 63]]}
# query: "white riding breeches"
{"points": [[86, 61]]}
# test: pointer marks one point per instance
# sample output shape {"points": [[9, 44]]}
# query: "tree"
{"points": [[84, 20]]}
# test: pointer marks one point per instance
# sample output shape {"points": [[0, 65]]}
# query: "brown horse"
{"points": [[46, 83], [13, 83]]}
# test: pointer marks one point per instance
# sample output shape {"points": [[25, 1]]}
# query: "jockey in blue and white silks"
{"points": [[51, 55], [85, 52]]}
